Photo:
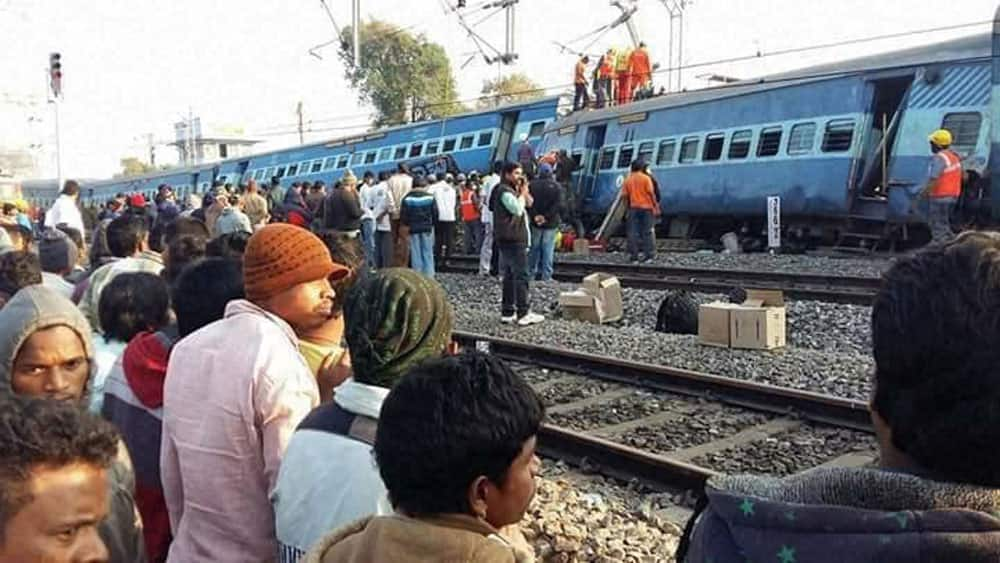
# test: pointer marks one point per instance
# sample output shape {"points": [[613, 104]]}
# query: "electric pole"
{"points": [[298, 110], [55, 76]]}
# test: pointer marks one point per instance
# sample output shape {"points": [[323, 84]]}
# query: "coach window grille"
{"points": [[357, 158], [625, 156], [713, 146], [577, 160], [384, 154], [838, 136], [449, 145], [645, 152], [343, 160], [466, 142], [485, 139], [416, 149], [801, 138], [536, 130], [665, 154], [689, 149], [964, 128], [293, 170], [370, 157], [400, 153], [739, 144], [317, 166], [281, 172], [607, 158], [770, 141], [432, 147], [329, 163]]}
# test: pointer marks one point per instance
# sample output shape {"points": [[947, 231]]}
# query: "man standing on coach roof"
{"points": [[65, 209], [235, 391], [944, 185], [509, 202]]}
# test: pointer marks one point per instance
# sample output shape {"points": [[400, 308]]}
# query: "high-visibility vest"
{"points": [[468, 207], [607, 68], [949, 183]]}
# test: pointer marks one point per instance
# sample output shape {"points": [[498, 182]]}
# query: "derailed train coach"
{"points": [[843, 145], [468, 141]]}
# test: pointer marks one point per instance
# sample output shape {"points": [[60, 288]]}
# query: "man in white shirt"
{"points": [[367, 197], [445, 198], [400, 184], [64, 210], [486, 264], [382, 206]]}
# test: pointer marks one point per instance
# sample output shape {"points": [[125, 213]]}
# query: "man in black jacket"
{"points": [[545, 218], [342, 208], [418, 211], [509, 203]]}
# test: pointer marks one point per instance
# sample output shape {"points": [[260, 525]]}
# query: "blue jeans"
{"points": [[422, 253], [640, 233], [542, 253], [368, 241]]}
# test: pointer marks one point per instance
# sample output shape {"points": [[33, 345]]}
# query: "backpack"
{"points": [[678, 313]]}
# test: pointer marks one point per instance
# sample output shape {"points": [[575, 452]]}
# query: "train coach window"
{"points": [[645, 152], [357, 158], [607, 158], [536, 130], [400, 153], [801, 138], [293, 170], [769, 142], [416, 149], [370, 157], [317, 165], [713, 146], [577, 160], [432, 147], [281, 172], [485, 139], [270, 173], [466, 142], [343, 160], [329, 163], [625, 156], [838, 136], [448, 146], [384, 154], [689, 149], [665, 154], [739, 144], [964, 128]]}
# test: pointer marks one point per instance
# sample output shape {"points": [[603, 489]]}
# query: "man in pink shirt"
{"points": [[235, 391]]}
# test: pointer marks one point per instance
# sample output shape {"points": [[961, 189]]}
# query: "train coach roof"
{"points": [[964, 48]]}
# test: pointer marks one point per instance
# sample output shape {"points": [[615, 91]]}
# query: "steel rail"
{"points": [[823, 287]]}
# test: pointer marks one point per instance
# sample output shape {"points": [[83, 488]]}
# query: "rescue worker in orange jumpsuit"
{"points": [[639, 69], [623, 74], [605, 72], [944, 185]]}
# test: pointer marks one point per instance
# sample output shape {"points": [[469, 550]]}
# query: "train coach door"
{"points": [[508, 121], [591, 155]]}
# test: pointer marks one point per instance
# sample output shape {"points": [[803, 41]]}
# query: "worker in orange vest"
{"points": [[944, 185], [605, 72], [623, 77], [639, 195], [471, 219], [639, 69]]}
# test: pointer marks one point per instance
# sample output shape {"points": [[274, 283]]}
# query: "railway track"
{"points": [[823, 287], [672, 429]]}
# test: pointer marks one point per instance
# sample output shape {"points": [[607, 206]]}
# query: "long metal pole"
{"points": [[59, 170], [680, 50], [356, 32], [670, 56]]}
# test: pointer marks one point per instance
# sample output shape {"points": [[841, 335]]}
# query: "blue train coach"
{"points": [[843, 145]]}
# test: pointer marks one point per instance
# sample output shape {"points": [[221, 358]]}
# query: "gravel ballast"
{"points": [[828, 352]]}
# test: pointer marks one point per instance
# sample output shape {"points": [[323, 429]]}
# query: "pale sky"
{"points": [[134, 67]]}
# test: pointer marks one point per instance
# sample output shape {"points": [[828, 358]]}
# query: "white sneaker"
{"points": [[508, 319], [530, 319]]}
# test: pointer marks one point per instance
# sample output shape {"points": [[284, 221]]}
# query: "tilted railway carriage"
{"points": [[843, 145], [473, 140]]}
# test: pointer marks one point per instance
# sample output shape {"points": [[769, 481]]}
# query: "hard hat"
{"points": [[941, 138]]}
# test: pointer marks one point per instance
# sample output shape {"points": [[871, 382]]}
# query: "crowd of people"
{"points": [[259, 377]]}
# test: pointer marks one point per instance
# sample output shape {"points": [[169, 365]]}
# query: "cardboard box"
{"points": [[758, 323], [713, 323], [580, 305], [608, 291], [581, 246]]}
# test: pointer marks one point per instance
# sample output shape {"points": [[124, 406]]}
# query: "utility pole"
{"points": [[152, 149], [356, 31], [190, 139], [298, 110], [53, 77]]}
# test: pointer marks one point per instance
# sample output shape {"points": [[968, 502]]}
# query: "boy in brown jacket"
{"points": [[456, 449]]}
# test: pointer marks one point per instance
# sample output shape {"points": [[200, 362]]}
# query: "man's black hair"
{"points": [[586, 59], [497, 166], [37, 433], [19, 269], [202, 291], [183, 250], [347, 251], [126, 233], [403, 168], [9, 208], [131, 303], [229, 245], [509, 167], [447, 422], [638, 165], [935, 329], [384, 175], [71, 187], [368, 174]]}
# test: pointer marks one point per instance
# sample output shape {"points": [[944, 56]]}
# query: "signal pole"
{"points": [[55, 87]]}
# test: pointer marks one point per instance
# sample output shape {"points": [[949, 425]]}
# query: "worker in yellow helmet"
{"points": [[943, 186]]}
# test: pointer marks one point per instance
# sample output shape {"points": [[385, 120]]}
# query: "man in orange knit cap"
{"points": [[235, 391]]}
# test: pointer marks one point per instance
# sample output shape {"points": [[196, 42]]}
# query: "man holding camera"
{"points": [[508, 202]]}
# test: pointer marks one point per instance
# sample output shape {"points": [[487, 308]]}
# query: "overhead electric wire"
{"points": [[742, 58]]}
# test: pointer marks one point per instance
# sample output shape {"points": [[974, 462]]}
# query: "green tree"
{"points": [[515, 87], [132, 166], [404, 76]]}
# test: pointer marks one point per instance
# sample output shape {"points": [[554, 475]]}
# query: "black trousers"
{"points": [[444, 238], [514, 269], [581, 99]]}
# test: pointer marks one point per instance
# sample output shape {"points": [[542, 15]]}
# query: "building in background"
{"points": [[195, 146]]}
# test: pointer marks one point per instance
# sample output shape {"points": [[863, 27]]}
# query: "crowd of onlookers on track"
{"points": [[242, 381]]}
